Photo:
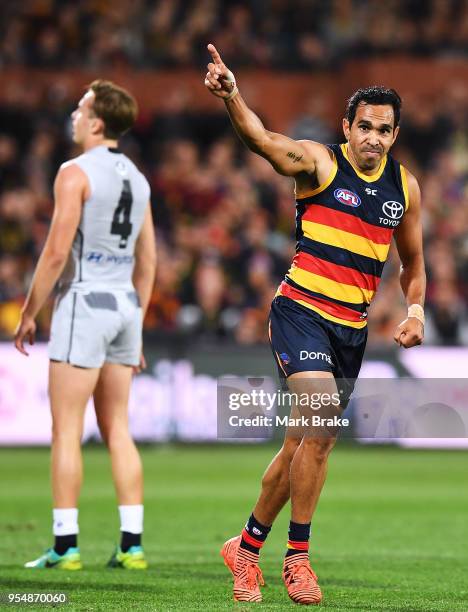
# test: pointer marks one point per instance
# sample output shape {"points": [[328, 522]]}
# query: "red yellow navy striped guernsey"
{"points": [[344, 229]]}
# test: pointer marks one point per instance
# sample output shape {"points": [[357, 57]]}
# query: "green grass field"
{"points": [[390, 533]]}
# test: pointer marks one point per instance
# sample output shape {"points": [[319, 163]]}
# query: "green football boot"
{"points": [[133, 559], [70, 560]]}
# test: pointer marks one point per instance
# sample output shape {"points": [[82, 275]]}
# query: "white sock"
{"points": [[131, 518], [65, 521]]}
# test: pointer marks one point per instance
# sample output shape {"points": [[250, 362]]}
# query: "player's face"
{"points": [[371, 134], [83, 118]]}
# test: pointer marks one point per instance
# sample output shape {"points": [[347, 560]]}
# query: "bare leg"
{"points": [[275, 490], [308, 473], [309, 465], [111, 404], [297, 471], [69, 391]]}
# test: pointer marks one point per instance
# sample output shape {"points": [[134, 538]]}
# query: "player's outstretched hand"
{"points": [[219, 79], [26, 330], [409, 333]]}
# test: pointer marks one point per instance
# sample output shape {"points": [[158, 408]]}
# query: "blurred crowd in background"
{"points": [[262, 33], [224, 218]]}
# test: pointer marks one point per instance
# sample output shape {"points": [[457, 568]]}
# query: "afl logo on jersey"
{"points": [[347, 197], [121, 168]]}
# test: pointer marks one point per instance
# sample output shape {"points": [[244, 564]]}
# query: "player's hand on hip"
{"points": [[219, 79], [26, 330], [409, 333]]}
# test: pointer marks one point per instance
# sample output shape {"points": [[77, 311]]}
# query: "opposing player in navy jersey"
{"points": [[351, 199], [101, 246]]}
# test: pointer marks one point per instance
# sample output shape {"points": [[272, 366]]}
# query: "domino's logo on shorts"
{"points": [[285, 358], [303, 355]]}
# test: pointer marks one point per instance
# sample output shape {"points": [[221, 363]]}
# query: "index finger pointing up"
{"points": [[215, 55]]}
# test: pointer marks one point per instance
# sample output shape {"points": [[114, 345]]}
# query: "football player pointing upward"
{"points": [[351, 199], [101, 244]]}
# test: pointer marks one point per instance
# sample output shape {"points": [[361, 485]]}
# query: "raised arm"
{"points": [[287, 156], [408, 238]]}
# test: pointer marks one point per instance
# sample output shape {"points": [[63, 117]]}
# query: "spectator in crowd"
{"points": [[225, 220], [225, 217], [172, 33]]}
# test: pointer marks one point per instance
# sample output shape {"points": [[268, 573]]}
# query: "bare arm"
{"points": [[287, 156], [145, 261], [70, 191], [408, 238]]}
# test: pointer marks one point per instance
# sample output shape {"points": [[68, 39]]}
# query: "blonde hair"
{"points": [[116, 107]]}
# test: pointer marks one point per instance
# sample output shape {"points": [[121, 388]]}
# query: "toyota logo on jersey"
{"points": [[392, 209], [347, 197]]}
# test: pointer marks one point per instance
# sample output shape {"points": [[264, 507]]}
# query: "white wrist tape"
{"points": [[230, 78], [416, 311]]}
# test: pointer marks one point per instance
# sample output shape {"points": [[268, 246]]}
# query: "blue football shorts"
{"points": [[303, 341]]}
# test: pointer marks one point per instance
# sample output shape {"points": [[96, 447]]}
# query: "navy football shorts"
{"points": [[303, 341]]}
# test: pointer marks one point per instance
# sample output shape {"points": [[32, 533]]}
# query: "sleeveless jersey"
{"points": [[343, 230], [102, 254]]}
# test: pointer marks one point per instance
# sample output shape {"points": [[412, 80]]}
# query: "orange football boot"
{"points": [[300, 580], [243, 565]]}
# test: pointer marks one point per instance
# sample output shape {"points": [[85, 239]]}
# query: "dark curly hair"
{"points": [[377, 94]]}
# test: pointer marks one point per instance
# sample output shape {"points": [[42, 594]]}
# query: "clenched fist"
{"points": [[409, 333]]}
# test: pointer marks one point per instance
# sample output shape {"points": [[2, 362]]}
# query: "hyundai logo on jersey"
{"points": [[347, 197]]}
